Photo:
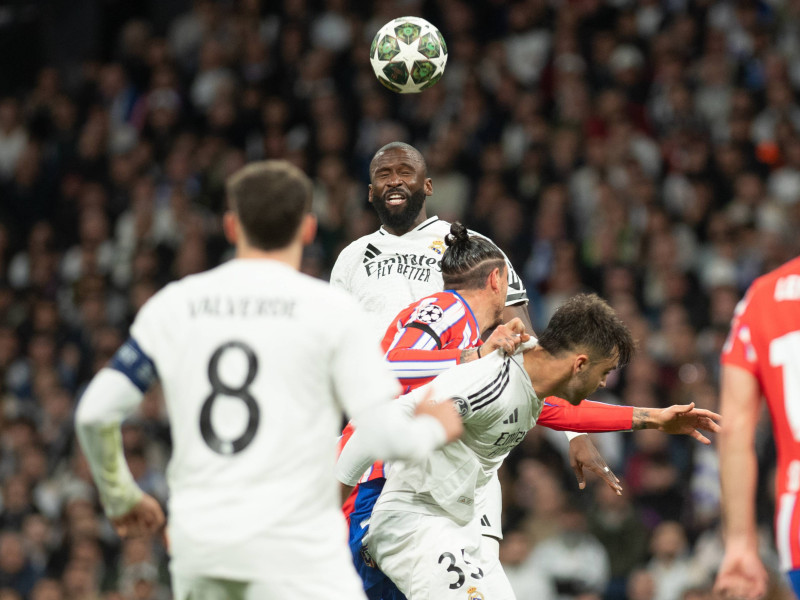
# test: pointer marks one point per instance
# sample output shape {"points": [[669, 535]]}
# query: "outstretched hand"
{"points": [[583, 453], [145, 518], [685, 419]]}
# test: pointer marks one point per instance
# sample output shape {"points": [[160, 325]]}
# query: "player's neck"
{"points": [[421, 218], [548, 374], [481, 306], [291, 255]]}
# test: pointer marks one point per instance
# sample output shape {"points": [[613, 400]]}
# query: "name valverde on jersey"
{"points": [[247, 488]]}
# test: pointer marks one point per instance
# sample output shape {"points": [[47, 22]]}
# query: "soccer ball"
{"points": [[408, 55]]}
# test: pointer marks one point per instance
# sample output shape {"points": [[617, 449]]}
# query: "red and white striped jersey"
{"points": [[428, 336]]}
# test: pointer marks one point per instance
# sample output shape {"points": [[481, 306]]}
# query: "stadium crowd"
{"points": [[648, 151]]}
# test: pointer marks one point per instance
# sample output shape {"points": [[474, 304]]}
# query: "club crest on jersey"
{"points": [[367, 557], [437, 246], [462, 406], [474, 594], [429, 314]]}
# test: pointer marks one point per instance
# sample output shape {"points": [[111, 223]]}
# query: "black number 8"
{"points": [[218, 387]]}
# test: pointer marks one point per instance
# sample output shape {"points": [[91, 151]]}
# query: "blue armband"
{"points": [[131, 361]]}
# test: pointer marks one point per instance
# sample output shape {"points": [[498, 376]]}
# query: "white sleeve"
{"points": [[340, 271], [366, 388], [571, 435], [108, 400], [376, 438], [361, 377]]}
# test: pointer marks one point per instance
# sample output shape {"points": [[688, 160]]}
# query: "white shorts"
{"points": [[490, 508], [306, 585], [433, 558]]}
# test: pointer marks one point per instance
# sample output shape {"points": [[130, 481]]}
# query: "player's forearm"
{"points": [[586, 417], [740, 399], [388, 432], [97, 423], [409, 365], [738, 477]]}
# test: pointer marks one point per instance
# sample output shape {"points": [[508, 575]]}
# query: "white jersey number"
{"points": [[785, 352], [242, 392]]}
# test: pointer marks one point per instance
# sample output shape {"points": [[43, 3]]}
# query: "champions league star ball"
{"points": [[408, 55]]}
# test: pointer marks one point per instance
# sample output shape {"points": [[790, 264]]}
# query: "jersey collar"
{"points": [[469, 308], [429, 221]]}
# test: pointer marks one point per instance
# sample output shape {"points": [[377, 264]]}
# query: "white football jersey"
{"points": [[498, 406], [257, 363], [387, 272]]}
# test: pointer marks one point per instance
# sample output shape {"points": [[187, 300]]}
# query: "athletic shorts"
{"points": [[433, 558], [490, 508]]}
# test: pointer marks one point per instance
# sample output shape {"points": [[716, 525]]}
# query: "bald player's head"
{"points": [[408, 149]]}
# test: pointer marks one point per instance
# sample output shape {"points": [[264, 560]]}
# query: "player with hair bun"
{"points": [[438, 332], [425, 528]]}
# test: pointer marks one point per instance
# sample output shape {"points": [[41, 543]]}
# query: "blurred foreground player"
{"points": [[257, 362], [761, 357]]}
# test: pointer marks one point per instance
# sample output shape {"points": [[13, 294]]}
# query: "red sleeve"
{"points": [[739, 349], [414, 367], [586, 417], [347, 433]]}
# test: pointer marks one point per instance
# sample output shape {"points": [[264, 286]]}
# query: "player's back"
{"points": [[246, 353], [765, 339]]}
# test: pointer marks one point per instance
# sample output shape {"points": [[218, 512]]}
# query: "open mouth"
{"points": [[395, 198]]}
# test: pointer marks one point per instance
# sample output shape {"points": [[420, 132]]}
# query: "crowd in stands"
{"points": [[648, 151]]}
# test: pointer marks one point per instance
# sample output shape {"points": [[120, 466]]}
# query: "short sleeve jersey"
{"points": [[387, 272], [257, 363], [765, 340]]}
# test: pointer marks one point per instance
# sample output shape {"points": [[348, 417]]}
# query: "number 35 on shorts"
{"points": [[461, 573]]}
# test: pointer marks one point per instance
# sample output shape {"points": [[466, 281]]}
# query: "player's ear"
{"points": [[308, 229], [494, 279], [369, 193], [230, 225], [428, 186], [580, 363]]}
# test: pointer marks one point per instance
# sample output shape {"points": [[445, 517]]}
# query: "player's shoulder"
{"points": [[358, 246], [444, 299], [788, 274]]}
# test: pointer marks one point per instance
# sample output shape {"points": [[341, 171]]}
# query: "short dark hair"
{"points": [[468, 259], [400, 146], [587, 321], [270, 198]]}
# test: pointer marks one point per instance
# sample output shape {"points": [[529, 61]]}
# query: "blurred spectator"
{"points": [[573, 559], [670, 563], [617, 525]]}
